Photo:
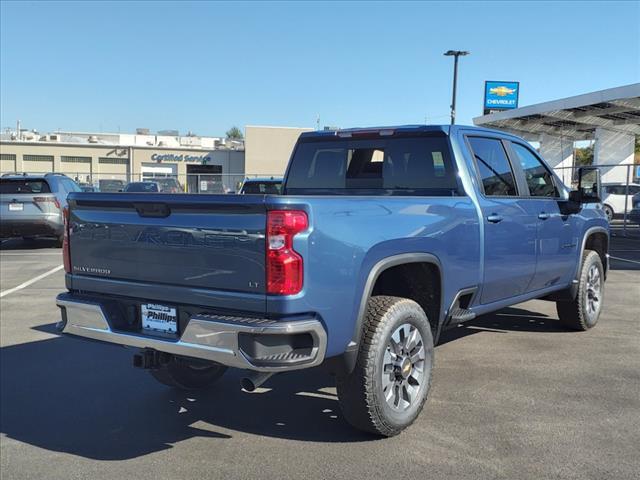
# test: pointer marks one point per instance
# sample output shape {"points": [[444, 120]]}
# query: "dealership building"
{"points": [[201, 164]]}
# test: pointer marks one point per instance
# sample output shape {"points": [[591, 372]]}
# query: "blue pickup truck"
{"points": [[381, 239]]}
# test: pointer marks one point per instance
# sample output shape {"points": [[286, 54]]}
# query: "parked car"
{"points": [[87, 187], [31, 205], [382, 239], [107, 185], [142, 187], [613, 196], [269, 186], [168, 184]]}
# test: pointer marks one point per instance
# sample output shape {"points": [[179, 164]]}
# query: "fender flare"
{"points": [[588, 232], [372, 277]]}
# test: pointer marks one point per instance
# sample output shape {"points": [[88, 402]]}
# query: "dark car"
{"points": [[262, 186], [142, 187], [87, 187], [111, 185], [31, 205]]}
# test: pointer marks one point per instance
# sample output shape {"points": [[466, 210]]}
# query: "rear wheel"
{"points": [[59, 241], [608, 211], [583, 311], [188, 374], [389, 384]]}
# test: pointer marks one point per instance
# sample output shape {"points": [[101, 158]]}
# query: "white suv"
{"points": [[613, 198]]}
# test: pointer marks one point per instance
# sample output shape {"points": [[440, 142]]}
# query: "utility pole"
{"points": [[455, 54]]}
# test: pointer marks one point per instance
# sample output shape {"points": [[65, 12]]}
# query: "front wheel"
{"points": [[583, 311], [186, 374], [608, 211], [389, 384]]}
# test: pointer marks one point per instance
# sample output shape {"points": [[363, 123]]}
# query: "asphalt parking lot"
{"points": [[514, 396]]}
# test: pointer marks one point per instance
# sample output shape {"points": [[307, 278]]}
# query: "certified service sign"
{"points": [[501, 95]]}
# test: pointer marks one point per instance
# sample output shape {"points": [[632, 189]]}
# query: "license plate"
{"points": [[159, 318], [16, 207]]}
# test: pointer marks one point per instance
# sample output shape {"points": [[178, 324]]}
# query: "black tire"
{"points": [[362, 393], [60, 241], [187, 374], [608, 211], [579, 313]]}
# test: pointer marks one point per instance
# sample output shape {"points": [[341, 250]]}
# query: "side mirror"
{"points": [[588, 185]]}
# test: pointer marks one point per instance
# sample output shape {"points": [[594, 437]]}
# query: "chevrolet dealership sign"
{"points": [[500, 95]]}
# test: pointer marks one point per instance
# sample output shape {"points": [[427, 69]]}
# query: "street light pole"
{"points": [[455, 54]]}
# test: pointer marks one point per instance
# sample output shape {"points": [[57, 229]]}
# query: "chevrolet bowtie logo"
{"points": [[501, 91]]}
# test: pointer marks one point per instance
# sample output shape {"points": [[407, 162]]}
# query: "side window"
{"points": [[493, 165], [538, 178]]}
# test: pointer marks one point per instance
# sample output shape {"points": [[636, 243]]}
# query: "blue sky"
{"points": [[207, 66]]}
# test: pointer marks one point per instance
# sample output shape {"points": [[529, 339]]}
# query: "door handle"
{"points": [[494, 218], [543, 215]]}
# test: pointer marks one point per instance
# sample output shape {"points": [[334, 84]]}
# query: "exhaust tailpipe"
{"points": [[254, 379]]}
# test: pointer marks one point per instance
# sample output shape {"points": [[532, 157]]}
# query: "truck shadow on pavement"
{"points": [[84, 398], [512, 319]]}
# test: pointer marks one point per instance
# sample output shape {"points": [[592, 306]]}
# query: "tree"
{"points": [[584, 156], [234, 133]]}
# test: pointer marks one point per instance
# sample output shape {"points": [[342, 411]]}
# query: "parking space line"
{"points": [[624, 259], [32, 281]]}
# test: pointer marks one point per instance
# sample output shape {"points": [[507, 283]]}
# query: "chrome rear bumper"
{"points": [[208, 337]]}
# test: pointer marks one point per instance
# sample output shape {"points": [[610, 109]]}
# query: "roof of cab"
{"points": [[393, 129]]}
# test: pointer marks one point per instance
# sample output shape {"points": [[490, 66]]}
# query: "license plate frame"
{"points": [[16, 207], [158, 318]]}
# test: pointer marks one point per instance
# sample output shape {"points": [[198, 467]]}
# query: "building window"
{"points": [[75, 159], [113, 161], [8, 156], [37, 158]]}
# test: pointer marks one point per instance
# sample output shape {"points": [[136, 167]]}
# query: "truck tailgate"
{"points": [[198, 241]]}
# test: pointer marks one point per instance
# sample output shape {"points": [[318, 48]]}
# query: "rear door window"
{"points": [[493, 166], [24, 186], [393, 166]]}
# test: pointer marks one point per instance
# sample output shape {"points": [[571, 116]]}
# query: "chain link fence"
{"points": [[620, 195], [203, 183]]}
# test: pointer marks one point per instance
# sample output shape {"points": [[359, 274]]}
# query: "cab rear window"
{"points": [[8, 185], [269, 188], [386, 166]]}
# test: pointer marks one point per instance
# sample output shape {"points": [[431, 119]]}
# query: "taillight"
{"points": [[284, 264], [66, 250], [53, 200]]}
